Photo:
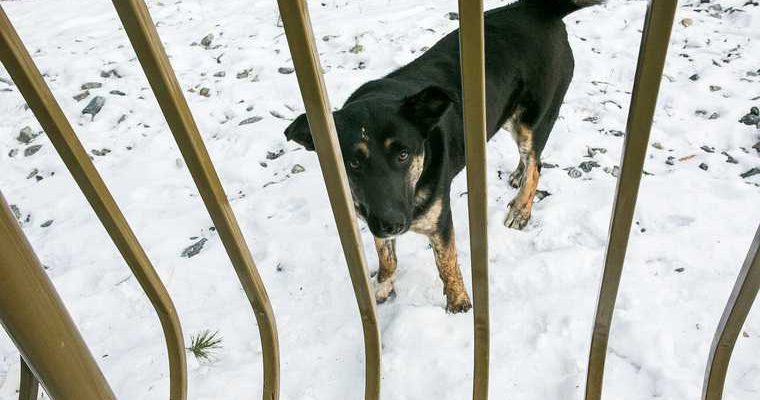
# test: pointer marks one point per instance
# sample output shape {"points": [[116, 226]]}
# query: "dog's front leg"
{"points": [[444, 247], [386, 274]]}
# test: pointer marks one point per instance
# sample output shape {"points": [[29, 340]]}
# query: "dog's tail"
{"points": [[561, 8]]}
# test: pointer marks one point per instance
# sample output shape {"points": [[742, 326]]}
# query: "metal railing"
{"points": [[69, 372]]}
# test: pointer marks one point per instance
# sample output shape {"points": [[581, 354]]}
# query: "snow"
{"points": [[544, 280]]}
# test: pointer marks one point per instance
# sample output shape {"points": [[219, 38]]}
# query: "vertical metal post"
{"points": [[654, 46], [25, 74], [736, 311], [29, 388], [150, 52], [295, 18], [38, 323], [472, 59]]}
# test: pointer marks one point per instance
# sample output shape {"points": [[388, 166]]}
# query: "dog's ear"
{"points": [[427, 106], [299, 132]]}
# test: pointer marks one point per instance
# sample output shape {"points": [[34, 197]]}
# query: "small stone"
{"points": [[751, 118], [657, 145], [614, 171], [95, 105], [275, 155], [194, 249], [91, 85], [206, 41], [12, 153], [285, 70], [694, 77], [671, 160], [616, 133], [243, 74], [16, 212], [729, 158], [110, 73], [542, 194], [31, 150], [297, 169], [714, 116], [700, 113], [715, 88], [548, 165], [574, 173], [453, 16], [277, 114], [703, 167], [205, 92], [33, 173], [101, 152], [587, 166], [680, 269], [687, 22], [708, 149], [122, 118], [752, 172], [745, 334], [46, 223], [220, 74], [250, 120], [356, 49], [81, 96], [26, 135], [117, 93]]}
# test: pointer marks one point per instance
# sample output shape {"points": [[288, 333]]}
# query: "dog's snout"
{"points": [[384, 226]]}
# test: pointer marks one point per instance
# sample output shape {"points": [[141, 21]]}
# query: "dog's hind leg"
{"points": [[525, 176], [386, 274]]}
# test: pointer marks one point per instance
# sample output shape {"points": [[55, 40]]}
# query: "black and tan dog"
{"points": [[402, 138]]}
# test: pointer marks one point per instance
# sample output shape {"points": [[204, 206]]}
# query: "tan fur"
{"points": [[428, 222], [415, 170], [525, 175], [445, 251], [362, 148], [386, 274], [388, 142]]}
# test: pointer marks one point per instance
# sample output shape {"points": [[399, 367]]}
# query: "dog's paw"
{"points": [[384, 290], [458, 303], [517, 216]]}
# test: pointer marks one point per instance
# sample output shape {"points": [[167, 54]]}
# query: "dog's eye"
{"points": [[403, 155], [354, 163]]}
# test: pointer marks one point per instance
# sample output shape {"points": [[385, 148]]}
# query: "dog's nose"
{"points": [[392, 228]]}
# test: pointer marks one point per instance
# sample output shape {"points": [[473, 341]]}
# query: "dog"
{"points": [[402, 137]]}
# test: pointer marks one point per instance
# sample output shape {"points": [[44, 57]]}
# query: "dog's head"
{"points": [[383, 146]]}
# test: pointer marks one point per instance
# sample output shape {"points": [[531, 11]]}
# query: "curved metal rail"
{"points": [[295, 18], [150, 52], [654, 46], [25, 74], [734, 315]]}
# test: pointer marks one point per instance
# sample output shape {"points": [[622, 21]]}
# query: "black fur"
{"points": [[529, 65]]}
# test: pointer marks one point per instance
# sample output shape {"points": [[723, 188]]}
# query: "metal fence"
{"points": [[54, 354]]}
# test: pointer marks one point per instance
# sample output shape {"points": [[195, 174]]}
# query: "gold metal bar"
{"points": [[142, 34], [25, 74], [654, 46], [472, 59], [736, 311], [29, 387], [38, 323], [295, 17]]}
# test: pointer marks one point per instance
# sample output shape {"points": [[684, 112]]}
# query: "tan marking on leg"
{"points": [[428, 223], [386, 274], [520, 207], [445, 251]]}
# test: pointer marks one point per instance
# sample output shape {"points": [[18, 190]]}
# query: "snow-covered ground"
{"points": [[693, 226]]}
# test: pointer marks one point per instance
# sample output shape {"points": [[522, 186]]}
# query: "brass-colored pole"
{"points": [[29, 388], [150, 52], [654, 46], [295, 18], [38, 323], [472, 59], [736, 311], [25, 74]]}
